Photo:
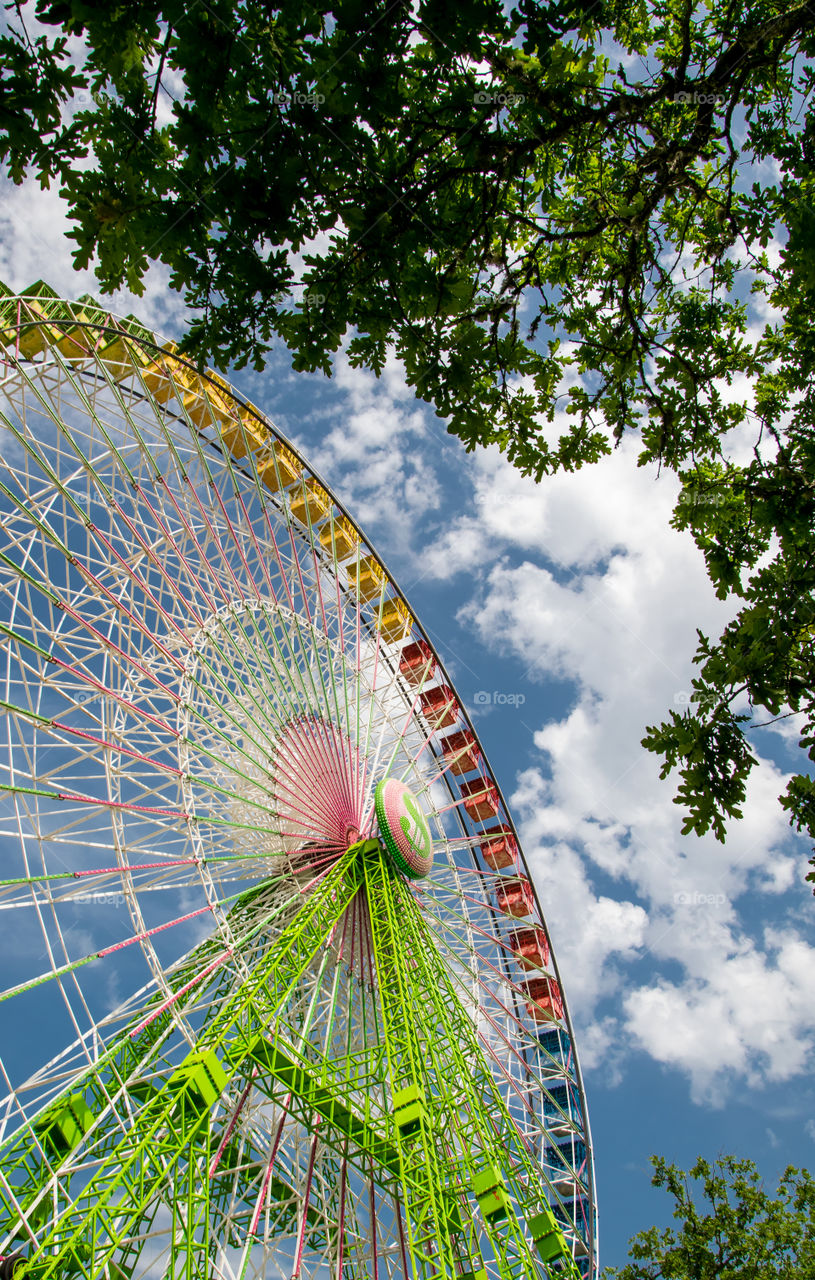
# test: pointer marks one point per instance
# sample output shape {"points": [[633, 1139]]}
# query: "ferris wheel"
{"points": [[278, 999]]}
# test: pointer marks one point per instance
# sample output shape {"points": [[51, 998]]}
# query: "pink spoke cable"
{"points": [[148, 933], [304, 593], [259, 1207], [236, 541], [402, 1244], [120, 608], [313, 738], [261, 554], [289, 596], [366, 815], [216, 1159], [90, 680], [218, 541], [171, 540], [150, 553], [318, 580], [301, 1234], [299, 568], [358, 675], [315, 791], [182, 991], [168, 537], [262, 559], [354, 774], [135, 866], [106, 691], [118, 747]]}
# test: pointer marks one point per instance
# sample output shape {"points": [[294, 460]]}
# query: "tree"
{"points": [[730, 1228], [618, 191]]}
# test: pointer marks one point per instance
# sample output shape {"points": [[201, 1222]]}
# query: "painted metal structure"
{"points": [[227, 743]]}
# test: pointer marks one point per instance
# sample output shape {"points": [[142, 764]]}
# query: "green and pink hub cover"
{"points": [[403, 828]]}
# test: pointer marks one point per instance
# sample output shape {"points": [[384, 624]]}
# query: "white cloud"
{"points": [[602, 1046], [586, 581], [372, 452], [575, 520], [590, 930], [465, 542], [752, 1017]]}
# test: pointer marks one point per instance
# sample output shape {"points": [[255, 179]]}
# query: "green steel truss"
{"points": [[394, 1086]]}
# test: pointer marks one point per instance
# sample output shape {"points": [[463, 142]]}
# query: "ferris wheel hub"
{"points": [[403, 828]]}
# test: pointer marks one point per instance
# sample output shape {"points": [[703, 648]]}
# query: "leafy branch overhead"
{"points": [[728, 1226], [573, 221]]}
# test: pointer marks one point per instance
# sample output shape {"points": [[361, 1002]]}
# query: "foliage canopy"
{"points": [[572, 221], [730, 1228]]}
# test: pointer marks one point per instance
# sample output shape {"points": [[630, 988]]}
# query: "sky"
{"points": [[566, 614]]}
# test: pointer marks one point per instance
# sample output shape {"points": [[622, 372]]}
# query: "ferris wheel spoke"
{"points": [[487, 976], [151, 552], [236, 542], [140, 810], [262, 561], [68, 968], [148, 876], [85, 679], [367, 732], [187, 531], [412, 760], [325, 700], [317, 575], [54, 483], [318, 695], [236, 619], [454, 922]]}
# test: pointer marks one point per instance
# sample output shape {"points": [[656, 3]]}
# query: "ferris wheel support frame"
{"points": [[441, 1155]]}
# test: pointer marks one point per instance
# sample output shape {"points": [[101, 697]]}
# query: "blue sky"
{"points": [[566, 615]]}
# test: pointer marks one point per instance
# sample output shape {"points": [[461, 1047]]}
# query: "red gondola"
{"points": [[500, 848], [545, 1002], [480, 799], [439, 706], [416, 662], [531, 947], [514, 896], [460, 752]]}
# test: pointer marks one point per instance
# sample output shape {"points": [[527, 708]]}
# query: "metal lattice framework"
{"points": [[328, 1068]]}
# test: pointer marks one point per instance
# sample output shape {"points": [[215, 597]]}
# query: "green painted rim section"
{"points": [[392, 838]]}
